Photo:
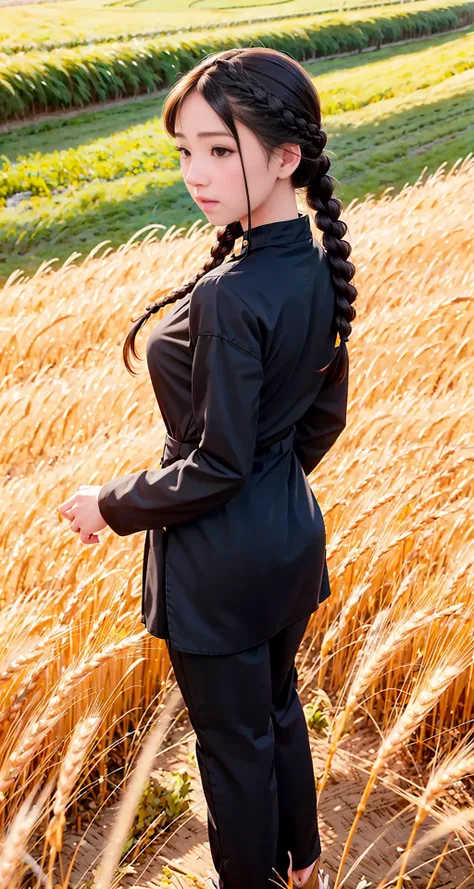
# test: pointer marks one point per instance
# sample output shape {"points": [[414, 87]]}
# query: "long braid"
{"points": [[223, 245], [319, 197]]}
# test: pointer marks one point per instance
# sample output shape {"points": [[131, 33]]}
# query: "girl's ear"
{"points": [[290, 157]]}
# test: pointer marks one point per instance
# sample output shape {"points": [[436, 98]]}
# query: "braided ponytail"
{"points": [[319, 196], [271, 94]]}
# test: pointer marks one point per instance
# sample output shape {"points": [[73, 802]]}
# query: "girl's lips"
{"points": [[205, 202]]}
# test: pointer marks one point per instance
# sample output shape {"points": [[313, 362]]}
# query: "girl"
{"points": [[252, 387]]}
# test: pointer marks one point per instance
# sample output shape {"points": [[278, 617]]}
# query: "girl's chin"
{"points": [[211, 209], [217, 216]]}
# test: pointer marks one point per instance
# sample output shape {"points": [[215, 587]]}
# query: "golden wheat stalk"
{"points": [[458, 822], [13, 845], [411, 404], [20, 659], [37, 730], [78, 747], [456, 765], [23, 693], [421, 701], [367, 478], [138, 779], [373, 540], [337, 628], [382, 642], [408, 485]]}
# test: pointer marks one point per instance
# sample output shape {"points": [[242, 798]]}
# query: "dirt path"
{"points": [[384, 828]]}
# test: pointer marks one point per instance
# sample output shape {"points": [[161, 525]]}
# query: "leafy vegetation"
{"points": [[48, 26], [33, 83], [117, 183], [143, 148], [159, 806]]}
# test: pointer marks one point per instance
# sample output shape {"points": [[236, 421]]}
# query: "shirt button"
{"points": [[245, 243]]}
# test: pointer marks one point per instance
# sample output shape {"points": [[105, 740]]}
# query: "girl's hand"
{"points": [[83, 512]]}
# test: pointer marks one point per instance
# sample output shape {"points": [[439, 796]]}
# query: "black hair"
{"points": [[272, 94]]}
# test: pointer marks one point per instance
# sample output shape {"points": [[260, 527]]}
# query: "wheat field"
{"points": [[82, 681]]}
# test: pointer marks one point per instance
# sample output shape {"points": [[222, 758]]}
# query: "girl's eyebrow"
{"points": [[203, 135]]}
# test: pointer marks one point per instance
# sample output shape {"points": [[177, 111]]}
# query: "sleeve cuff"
{"points": [[105, 501]]}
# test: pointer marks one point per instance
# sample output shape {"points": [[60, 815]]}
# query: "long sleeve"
{"points": [[226, 379], [321, 425]]}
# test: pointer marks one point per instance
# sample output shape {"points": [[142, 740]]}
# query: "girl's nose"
{"points": [[196, 175]]}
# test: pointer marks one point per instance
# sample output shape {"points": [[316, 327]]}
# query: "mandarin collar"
{"points": [[274, 234]]}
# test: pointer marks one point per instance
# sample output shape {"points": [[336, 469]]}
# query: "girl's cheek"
{"points": [[233, 172]]}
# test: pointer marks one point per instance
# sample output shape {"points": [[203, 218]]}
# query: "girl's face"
{"points": [[212, 170]]}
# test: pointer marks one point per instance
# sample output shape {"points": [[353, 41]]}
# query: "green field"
{"points": [[388, 113], [68, 23], [34, 83]]}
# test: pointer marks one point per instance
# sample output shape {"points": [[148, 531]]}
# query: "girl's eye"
{"points": [[216, 148], [222, 149]]}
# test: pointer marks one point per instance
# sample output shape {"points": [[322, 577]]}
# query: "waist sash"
{"points": [[174, 449]]}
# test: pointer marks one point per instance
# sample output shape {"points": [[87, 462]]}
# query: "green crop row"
{"points": [[143, 148], [11, 46], [372, 153], [35, 83], [428, 120], [137, 150]]}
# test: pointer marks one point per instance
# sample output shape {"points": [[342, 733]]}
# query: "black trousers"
{"points": [[254, 759]]}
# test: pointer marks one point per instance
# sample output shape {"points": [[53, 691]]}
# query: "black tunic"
{"points": [[235, 547]]}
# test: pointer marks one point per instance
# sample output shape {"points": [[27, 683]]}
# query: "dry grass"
{"points": [[395, 637]]}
